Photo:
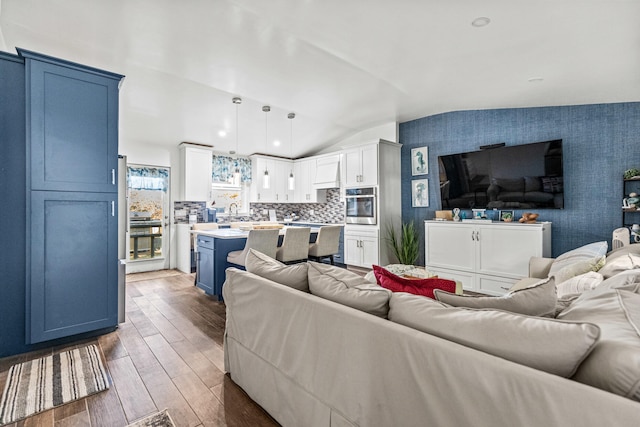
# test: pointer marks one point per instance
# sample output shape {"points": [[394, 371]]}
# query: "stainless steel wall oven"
{"points": [[360, 205]]}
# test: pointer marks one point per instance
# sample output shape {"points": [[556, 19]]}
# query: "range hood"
{"points": [[327, 172]]}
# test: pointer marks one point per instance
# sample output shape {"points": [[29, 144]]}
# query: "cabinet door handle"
{"points": [[113, 176], [473, 235], [276, 196], [258, 196], [477, 236], [113, 208]]}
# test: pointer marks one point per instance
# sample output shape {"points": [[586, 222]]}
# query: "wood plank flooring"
{"points": [[168, 354]]}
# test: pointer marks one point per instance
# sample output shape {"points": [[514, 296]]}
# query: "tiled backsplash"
{"points": [[331, 212], [181, 211]]}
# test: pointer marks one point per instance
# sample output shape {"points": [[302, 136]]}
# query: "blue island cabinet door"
{"points": [[73, 122], [73, 264]]}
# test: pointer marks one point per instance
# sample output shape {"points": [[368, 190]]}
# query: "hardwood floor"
{"points": [[168, 354]]}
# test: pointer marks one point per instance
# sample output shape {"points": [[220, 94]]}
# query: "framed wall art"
{"points": [[419, 161], [420, 193]]}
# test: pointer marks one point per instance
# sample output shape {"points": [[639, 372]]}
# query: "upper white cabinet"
{"points": [[196, 172], [278, 171], [304, 173], [487, 258], [361, 166]]}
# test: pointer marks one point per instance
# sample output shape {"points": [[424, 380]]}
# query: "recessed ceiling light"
{"points": [[535, 80], [276, 143], [222, 133], [481, 22]]}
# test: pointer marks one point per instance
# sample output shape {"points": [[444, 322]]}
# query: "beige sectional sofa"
{"points": [[313, 360]]}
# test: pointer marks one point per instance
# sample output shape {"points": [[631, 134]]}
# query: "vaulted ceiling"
{"points": [[341, 65]]}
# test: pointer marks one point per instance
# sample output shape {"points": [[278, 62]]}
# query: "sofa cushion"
{"points": [[538, 299], [591, 253], [294, 276], [550, 345], [348, 288], [619, 263], [417, 286], [579, 284], [614, 364]]}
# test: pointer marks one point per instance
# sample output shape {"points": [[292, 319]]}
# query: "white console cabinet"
{"points": [[487, 258]]}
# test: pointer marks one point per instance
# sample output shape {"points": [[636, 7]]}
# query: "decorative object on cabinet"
{"points": [[406, 246], [620, 238], [265, 179], [635, 233], [630, 201], [291, 181], [529, 218], [420, 193], [632, 173], [419, 161], [506, 216], [479, 213]]}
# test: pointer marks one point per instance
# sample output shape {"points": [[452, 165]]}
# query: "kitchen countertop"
{"points": [[235, 233], [319, 224]]}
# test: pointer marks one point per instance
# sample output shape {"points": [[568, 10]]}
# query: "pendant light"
{"points": [[265, 178], [236, 173], [292, 181]]}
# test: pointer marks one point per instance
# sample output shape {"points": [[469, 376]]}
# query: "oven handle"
{"points": [[370, 196]]}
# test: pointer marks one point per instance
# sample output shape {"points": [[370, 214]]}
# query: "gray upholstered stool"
{"points": [[327, 244], [265, 241], [295, 245]]}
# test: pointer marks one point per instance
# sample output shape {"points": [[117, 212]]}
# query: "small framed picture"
{"points": [[479, 213], [420, 193], [419, 161], [506, 216]]}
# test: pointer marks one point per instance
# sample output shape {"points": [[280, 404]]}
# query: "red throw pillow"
{"points": [[424, 287]]}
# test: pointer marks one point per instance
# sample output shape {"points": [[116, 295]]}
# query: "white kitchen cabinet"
{"points": [[278, 191], [361, 246], [485, 257], [305, 192], [361, 166], [196, 171]]}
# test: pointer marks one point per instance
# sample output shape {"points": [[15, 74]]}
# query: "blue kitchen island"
{"points": [[213, 246]]}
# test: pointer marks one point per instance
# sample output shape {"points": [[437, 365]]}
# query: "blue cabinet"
{"points": [[74, 264], [204, 263]]}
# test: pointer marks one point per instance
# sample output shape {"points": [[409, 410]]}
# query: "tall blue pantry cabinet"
{"points": [[70, 199]]}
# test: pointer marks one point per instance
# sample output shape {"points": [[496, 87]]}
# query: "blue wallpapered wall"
{"points": [[599, 142]]}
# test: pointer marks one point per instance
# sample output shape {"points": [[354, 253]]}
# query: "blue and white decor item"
{"points": [[419, 161], [420, 193], [223, 168], [147, 178]]}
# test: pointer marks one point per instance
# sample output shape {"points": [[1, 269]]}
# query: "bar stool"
{"points": [[265, 241], [295, 245], [327, 244]]}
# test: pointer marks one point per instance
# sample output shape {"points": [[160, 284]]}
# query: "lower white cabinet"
{"points": [[486, 257], [361, 246]]}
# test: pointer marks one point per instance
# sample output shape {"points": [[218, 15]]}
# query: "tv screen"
{"points": [[527, 176]]}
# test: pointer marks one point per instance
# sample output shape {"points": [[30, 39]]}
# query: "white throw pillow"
{"points": [[578, 261], [348, 288], [579, 284], [619, 264]]}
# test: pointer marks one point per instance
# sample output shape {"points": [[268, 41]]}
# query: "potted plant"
{"points": [[405, 246]]}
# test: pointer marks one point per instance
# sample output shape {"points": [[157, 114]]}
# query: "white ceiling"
{"points": [[341, 65]]}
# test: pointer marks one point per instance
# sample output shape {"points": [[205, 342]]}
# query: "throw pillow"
{"points": [[614, 364], [549, 345], [294, 276], [579, 284], [584, 253], [577, 268], [348, 288], [536, 300], [618, 264], [424, 287]]}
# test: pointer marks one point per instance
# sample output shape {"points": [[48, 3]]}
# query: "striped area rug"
{"points": [[51, 381]]}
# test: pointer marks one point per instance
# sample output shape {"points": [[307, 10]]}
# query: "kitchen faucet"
{"points": [[231, 206]]}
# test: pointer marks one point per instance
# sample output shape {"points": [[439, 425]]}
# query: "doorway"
{"points": [[148, 218]]}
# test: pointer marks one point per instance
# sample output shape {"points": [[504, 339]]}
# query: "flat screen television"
{"points": [[527, 176]]}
